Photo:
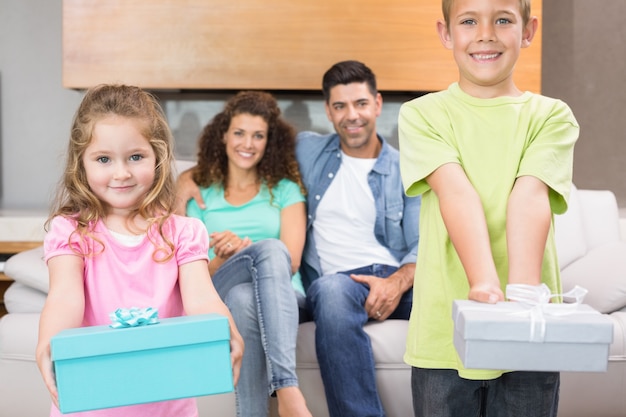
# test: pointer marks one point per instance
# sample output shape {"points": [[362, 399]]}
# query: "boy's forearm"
{"points": [[469, 235], [464, 217], [528, 224]]}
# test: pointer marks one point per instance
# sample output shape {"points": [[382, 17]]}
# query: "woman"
{"points": [[256, 218]]}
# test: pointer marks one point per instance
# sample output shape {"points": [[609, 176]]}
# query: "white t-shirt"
{"points": [[344, 224]]}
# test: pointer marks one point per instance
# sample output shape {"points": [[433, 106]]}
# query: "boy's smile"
{"points": [[485, 37]]}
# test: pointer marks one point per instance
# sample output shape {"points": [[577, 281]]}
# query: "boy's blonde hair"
{"points": [[524, 8]]}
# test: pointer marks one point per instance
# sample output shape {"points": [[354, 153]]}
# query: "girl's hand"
{"points": [[225, 244], [47, 371], [236, 354]]}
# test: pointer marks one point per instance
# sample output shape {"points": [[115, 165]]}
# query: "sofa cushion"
{"points": [[28, 268], [602, 271]]}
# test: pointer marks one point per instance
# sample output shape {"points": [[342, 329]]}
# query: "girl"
{"points": [[112, 241], [256, 220]]}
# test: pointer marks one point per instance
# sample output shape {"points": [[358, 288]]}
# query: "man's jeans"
{"points": [[344, 350], [442, 393], [256, 286]]}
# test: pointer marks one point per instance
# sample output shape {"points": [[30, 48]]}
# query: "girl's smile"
{"points": [[119, 163]]}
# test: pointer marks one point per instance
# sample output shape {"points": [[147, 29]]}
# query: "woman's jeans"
{"points": [[344, 350], [442, 393], [255, 284]]}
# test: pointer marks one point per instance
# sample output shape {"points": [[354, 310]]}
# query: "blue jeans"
{"points": [[256, 286], [442, 393], [344, 350]]}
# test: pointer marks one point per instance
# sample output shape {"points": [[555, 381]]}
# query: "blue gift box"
{"points": [[505, 336], [101, 367]]}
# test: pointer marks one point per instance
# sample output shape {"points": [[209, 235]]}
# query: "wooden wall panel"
{"points": [[264, 44]]}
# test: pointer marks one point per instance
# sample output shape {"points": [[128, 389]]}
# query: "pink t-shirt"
{"points": [[123, 277]]}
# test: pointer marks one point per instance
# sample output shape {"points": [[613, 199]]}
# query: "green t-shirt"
{"points": [[495, 141], [257, 219]]}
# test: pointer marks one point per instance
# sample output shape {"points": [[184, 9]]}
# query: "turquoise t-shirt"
{"points": [[257, 219], [495, 141]]}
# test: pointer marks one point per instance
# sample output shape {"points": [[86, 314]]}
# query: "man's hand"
{"points": [[384, 295], [186, 189]]}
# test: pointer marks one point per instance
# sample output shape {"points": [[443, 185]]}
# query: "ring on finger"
{"points": [[229, 245], [378, 314]]}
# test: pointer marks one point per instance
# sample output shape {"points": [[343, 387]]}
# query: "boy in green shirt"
{"points": [[492, 164]]}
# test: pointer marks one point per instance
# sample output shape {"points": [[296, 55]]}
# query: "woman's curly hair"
{"points": [[278, 161]]}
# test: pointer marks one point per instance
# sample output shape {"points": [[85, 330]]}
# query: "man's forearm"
{"points": [[404, 276]]}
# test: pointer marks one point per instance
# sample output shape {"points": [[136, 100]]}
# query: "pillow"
{"points": [[569, 232], [602, 271], [20, 298], [28, 268]]}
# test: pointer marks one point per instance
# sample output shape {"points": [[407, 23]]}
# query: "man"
{"points": [[362, 234]]}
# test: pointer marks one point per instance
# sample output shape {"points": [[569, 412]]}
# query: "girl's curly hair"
{"points": [[74, 198], [279, 160]]}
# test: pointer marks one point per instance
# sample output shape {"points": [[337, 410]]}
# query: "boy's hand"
{"points": [[486, 293]]}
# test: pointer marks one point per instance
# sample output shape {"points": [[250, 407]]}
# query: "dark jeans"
{"points": [[442, 393], [344, 350]]}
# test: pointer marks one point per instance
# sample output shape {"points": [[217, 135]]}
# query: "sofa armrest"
{"points": [[22, 390]]}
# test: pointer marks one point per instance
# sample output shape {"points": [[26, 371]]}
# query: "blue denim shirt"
{"points": [[397, 216]]}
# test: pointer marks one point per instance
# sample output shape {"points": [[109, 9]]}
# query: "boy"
{"points": [[493, 163]]}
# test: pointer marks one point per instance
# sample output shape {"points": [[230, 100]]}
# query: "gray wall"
{"points": [[36, 111], [583, 64]]}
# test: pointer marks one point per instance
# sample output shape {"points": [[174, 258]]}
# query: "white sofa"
{"points": [[591, 254]]}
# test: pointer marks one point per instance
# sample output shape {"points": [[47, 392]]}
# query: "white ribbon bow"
{"points": [[537, 298]]}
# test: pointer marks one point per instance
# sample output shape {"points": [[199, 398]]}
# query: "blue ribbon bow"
{"points": [[133, 317]]}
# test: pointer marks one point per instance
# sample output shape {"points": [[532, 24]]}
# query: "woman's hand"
{"points": [[186, 189], [225, 244]]}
